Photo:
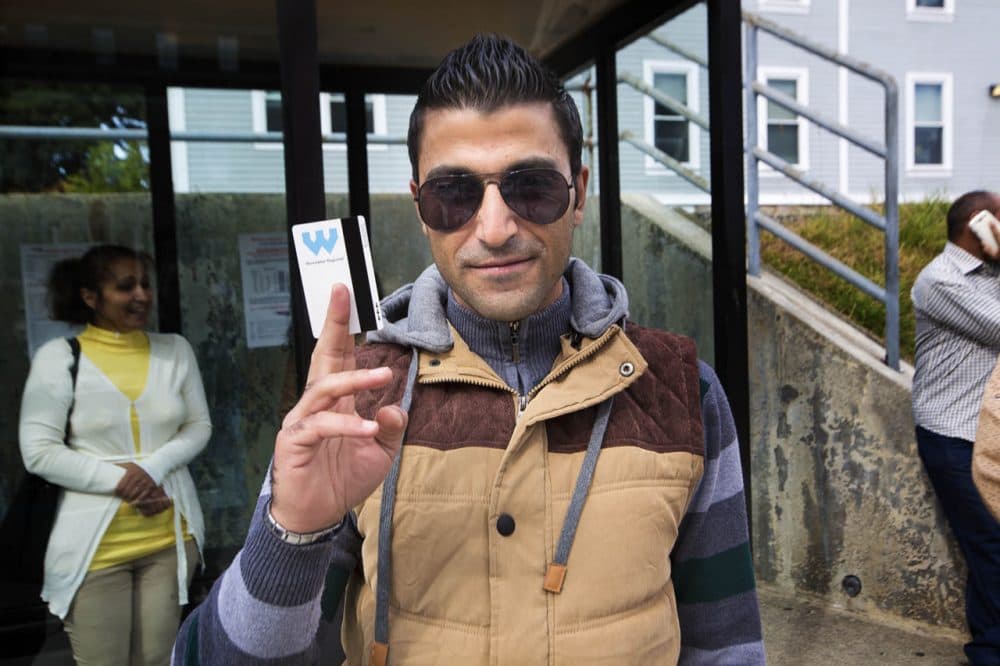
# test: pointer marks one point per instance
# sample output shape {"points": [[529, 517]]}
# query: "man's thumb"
{"points": [[391, 425]]}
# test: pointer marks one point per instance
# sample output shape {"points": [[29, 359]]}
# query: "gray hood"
{"points": [[415, 316]]}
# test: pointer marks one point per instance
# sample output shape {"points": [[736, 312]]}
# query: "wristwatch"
{"points": [[298, 538]]}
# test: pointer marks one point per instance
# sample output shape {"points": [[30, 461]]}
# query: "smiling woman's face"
{"points": [[124, 299]]}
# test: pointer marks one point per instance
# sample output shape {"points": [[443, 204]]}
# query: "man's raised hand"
{"points": [[327, 459]]}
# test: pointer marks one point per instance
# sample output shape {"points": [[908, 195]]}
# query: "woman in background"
{"points": [[129, 528]]}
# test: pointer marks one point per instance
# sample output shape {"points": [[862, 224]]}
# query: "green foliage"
{"points": [[922, 235], [110, 167], [42, 165]]}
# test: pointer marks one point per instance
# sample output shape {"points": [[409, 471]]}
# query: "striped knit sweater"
{"points": [[276, 602]]}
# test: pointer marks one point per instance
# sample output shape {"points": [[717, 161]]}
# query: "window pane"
{"points": [[673, 85], [783, 141], [671, 136], [338, 115], [930, 3], [788, 87], [273, 114], [927, 145], [927, 102]]}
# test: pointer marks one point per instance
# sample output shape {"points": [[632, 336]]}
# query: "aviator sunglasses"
{"points": [[537, 195]]}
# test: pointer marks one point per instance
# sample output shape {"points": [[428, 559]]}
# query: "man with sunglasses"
{"points": [[519, 475]]}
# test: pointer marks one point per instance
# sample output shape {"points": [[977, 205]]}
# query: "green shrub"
{"points": [[860, 246]]}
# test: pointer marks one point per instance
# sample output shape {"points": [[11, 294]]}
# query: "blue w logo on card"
{"points": [[317, 241]]}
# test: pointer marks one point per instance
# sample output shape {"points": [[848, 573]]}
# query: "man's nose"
{"points": [[496, 223]]}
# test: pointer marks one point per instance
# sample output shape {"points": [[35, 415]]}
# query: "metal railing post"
{"points": [[753, 174], [892, 224]]}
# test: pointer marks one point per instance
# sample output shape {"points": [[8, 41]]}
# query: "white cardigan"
{"points": [[174, 428]]}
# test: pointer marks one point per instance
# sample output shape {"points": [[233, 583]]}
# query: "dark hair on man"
{"points": [[486, 74], [69, 276], [965, 207]]}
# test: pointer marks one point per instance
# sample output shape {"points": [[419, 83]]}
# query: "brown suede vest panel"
{"points": [[660, 412]]}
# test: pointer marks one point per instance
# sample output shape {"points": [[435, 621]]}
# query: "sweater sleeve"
{"points": [[712, 568], [45, 403], [193, 434], [267, 606]]}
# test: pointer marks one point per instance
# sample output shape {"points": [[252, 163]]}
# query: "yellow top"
{"points": [[124, 360]]}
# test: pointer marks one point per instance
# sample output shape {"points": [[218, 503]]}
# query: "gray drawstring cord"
{"points": [[382, 586], [555, 574]]}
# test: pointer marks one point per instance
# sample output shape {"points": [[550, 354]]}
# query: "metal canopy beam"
{"points": [[628, 22], [305, 199], [199, 72], [729, 279]]}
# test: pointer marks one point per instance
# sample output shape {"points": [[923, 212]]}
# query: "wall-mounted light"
{"points": [[995, 90]]}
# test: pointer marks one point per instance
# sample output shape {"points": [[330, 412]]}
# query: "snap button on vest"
{"points": [[626, 369], [505, 524]]}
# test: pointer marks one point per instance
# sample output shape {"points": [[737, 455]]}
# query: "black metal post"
{"points": [[304, 193], [161, 189], [357, 156], [607, 142], [729, 282]]}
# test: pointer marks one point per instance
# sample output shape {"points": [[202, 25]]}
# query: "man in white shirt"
{"points": [[956, 300]]}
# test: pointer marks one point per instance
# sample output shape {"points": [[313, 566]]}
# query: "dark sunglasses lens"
{"points": [[448, 202], [538, 195]]}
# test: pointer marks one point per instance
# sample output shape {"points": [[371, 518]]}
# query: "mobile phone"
{"points": [[985, 225]]}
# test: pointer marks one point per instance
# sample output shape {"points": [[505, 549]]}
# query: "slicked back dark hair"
{"points": [[486, 74], [965, 207], [69, 276]]}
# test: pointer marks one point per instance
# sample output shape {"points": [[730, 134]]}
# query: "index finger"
{"points": [[334, 351]]}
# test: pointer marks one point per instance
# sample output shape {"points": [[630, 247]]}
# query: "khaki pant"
{"points": [[128, 614]]}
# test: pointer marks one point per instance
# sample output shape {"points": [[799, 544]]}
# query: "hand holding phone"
{"points": [[987, 228]]}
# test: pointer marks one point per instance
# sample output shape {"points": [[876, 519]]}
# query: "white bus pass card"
{"points": [[332, 251]]}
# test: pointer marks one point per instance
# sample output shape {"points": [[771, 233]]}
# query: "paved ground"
{"points": [[799, 633], [796, 633]]}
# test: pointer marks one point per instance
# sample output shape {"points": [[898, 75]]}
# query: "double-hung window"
{"points": [[781, 131], [930, 10], [665, 128], [928, 122], [266, 111]]}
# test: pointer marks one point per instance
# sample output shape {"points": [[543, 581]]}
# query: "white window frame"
{"points": [[801, 76], [690, 71], [944, 14], [258, 106], [944, 79], [784, 6]]}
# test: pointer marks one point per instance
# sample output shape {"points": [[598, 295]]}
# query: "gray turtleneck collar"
{"points": [[520, 352]]}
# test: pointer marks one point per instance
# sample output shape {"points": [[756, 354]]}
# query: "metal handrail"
{"points": [[888, 152], [664, 99], [666, 160]]}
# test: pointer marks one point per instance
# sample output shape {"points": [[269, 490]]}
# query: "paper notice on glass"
{"points": [[37, 261], [267, 308]]}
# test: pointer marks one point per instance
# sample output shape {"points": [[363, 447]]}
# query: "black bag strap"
{"points": [[74, 347]]}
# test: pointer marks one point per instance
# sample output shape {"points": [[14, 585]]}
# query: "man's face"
{"points": [[498, 264]]}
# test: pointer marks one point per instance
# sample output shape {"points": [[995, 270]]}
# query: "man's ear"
{"points": [[414, 188], [580, 192]]}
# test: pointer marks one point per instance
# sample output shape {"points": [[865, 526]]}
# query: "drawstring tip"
{"points": [[554, 577], [380, 654]]}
